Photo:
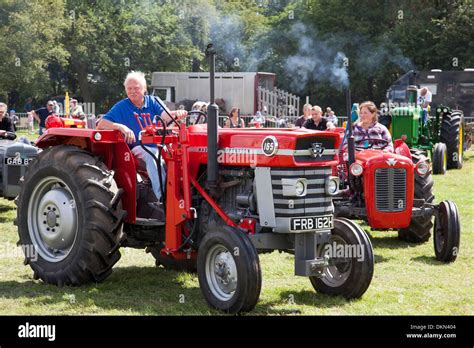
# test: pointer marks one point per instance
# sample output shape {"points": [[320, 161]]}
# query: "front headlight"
{"points": [[422, 168], [300, 188], [295, 187], [356, 169], [332, 185]]}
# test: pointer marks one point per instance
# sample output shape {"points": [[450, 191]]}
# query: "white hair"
{"points": [[135, 76]]}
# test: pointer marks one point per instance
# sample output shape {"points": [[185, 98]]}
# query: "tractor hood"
{"points": [[268, 147], [372, 157]]}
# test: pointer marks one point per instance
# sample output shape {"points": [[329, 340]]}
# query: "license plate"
{"points": [[16, 161], [311, 223]]}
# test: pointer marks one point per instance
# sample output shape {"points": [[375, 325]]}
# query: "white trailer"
{"points": [[250, 91]]}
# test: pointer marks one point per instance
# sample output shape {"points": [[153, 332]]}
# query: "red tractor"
{"points": [[395, 191], [230, 193]]}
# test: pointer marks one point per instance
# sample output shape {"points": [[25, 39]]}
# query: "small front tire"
{"points": [[229, 271], [349, 276]]}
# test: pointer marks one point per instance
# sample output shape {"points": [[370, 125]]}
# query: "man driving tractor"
{"points": [[121, 117]]}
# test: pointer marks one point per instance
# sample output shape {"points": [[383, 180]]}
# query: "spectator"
{"points": [[14, 118], [258, 120], [121, 117], [76, 110], [328, 112], [56, 108], [28, 105], [42, 114], [332, 118], [234, 120], [306, 115], [423, 99], [5, 123], [368, 127], [31, 123], [317, 121]]}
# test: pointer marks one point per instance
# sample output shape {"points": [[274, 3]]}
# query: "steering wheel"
{"points": [[371, 142], [7, 135], [201, 114]]}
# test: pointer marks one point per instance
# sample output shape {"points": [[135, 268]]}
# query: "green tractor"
{"points": [[440, 136]]}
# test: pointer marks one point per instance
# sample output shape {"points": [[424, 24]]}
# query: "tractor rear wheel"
{"points": [[229, 270], [447, 232], [350, 275], [69, 217], [419, 230], [452, 136], [440, 159]]}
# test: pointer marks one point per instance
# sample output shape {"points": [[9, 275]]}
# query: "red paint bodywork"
{"points": [[371, 160], [188, 151]]}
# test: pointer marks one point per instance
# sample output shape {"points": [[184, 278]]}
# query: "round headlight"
{"points": [[300, 188], [422, 168], [332, 186], [445, 110], [356, 169], [438, 109], [97, 136]]}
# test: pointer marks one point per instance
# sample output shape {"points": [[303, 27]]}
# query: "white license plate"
{"points": [[311, 223], [16, 161]]}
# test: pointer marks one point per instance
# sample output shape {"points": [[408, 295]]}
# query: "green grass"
{"points": [[407, 278]]}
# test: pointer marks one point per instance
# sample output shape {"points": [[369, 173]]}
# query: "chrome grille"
{"points": [[316, 202], [390, 189]]}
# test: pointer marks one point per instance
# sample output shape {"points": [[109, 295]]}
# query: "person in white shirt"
{"points": [[423, 99]]}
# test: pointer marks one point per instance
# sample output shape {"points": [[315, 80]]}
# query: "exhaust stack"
{"points": [[212, 127]]}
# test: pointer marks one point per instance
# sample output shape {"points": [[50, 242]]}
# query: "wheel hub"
{"points": [[226, 272], [52, 219], [221, 273]]}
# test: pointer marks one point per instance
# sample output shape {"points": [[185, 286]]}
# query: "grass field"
{"points": [[407, 278]]}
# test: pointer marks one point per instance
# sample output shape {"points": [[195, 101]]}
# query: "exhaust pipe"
{"points": [[350, 137], [212, 128]]}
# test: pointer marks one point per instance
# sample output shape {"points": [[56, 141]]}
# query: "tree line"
{"points": [[317, 48]]}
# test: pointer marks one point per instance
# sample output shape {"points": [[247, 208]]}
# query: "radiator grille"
{"points": [[316, 202], [390, 189]]}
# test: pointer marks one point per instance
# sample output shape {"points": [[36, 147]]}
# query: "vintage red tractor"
{"points": [[394, 190], [230, 193]]}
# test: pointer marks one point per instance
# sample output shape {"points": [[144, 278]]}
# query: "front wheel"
{"points": [[351, 262], [447, 232], [229, 271]]}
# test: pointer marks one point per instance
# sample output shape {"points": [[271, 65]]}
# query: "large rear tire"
{"points": [[229, 270], [349, 276], [69, 217], [447, 232], [452, 136], [419, 230], [440, 159]]}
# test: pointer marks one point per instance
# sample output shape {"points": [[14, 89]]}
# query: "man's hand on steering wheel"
{"points": [[179, 114]]}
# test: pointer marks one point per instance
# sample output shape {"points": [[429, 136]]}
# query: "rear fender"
{"points": [[110, 147]]}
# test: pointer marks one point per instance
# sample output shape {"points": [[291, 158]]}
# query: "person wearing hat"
{"points": [[76, 110]]}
